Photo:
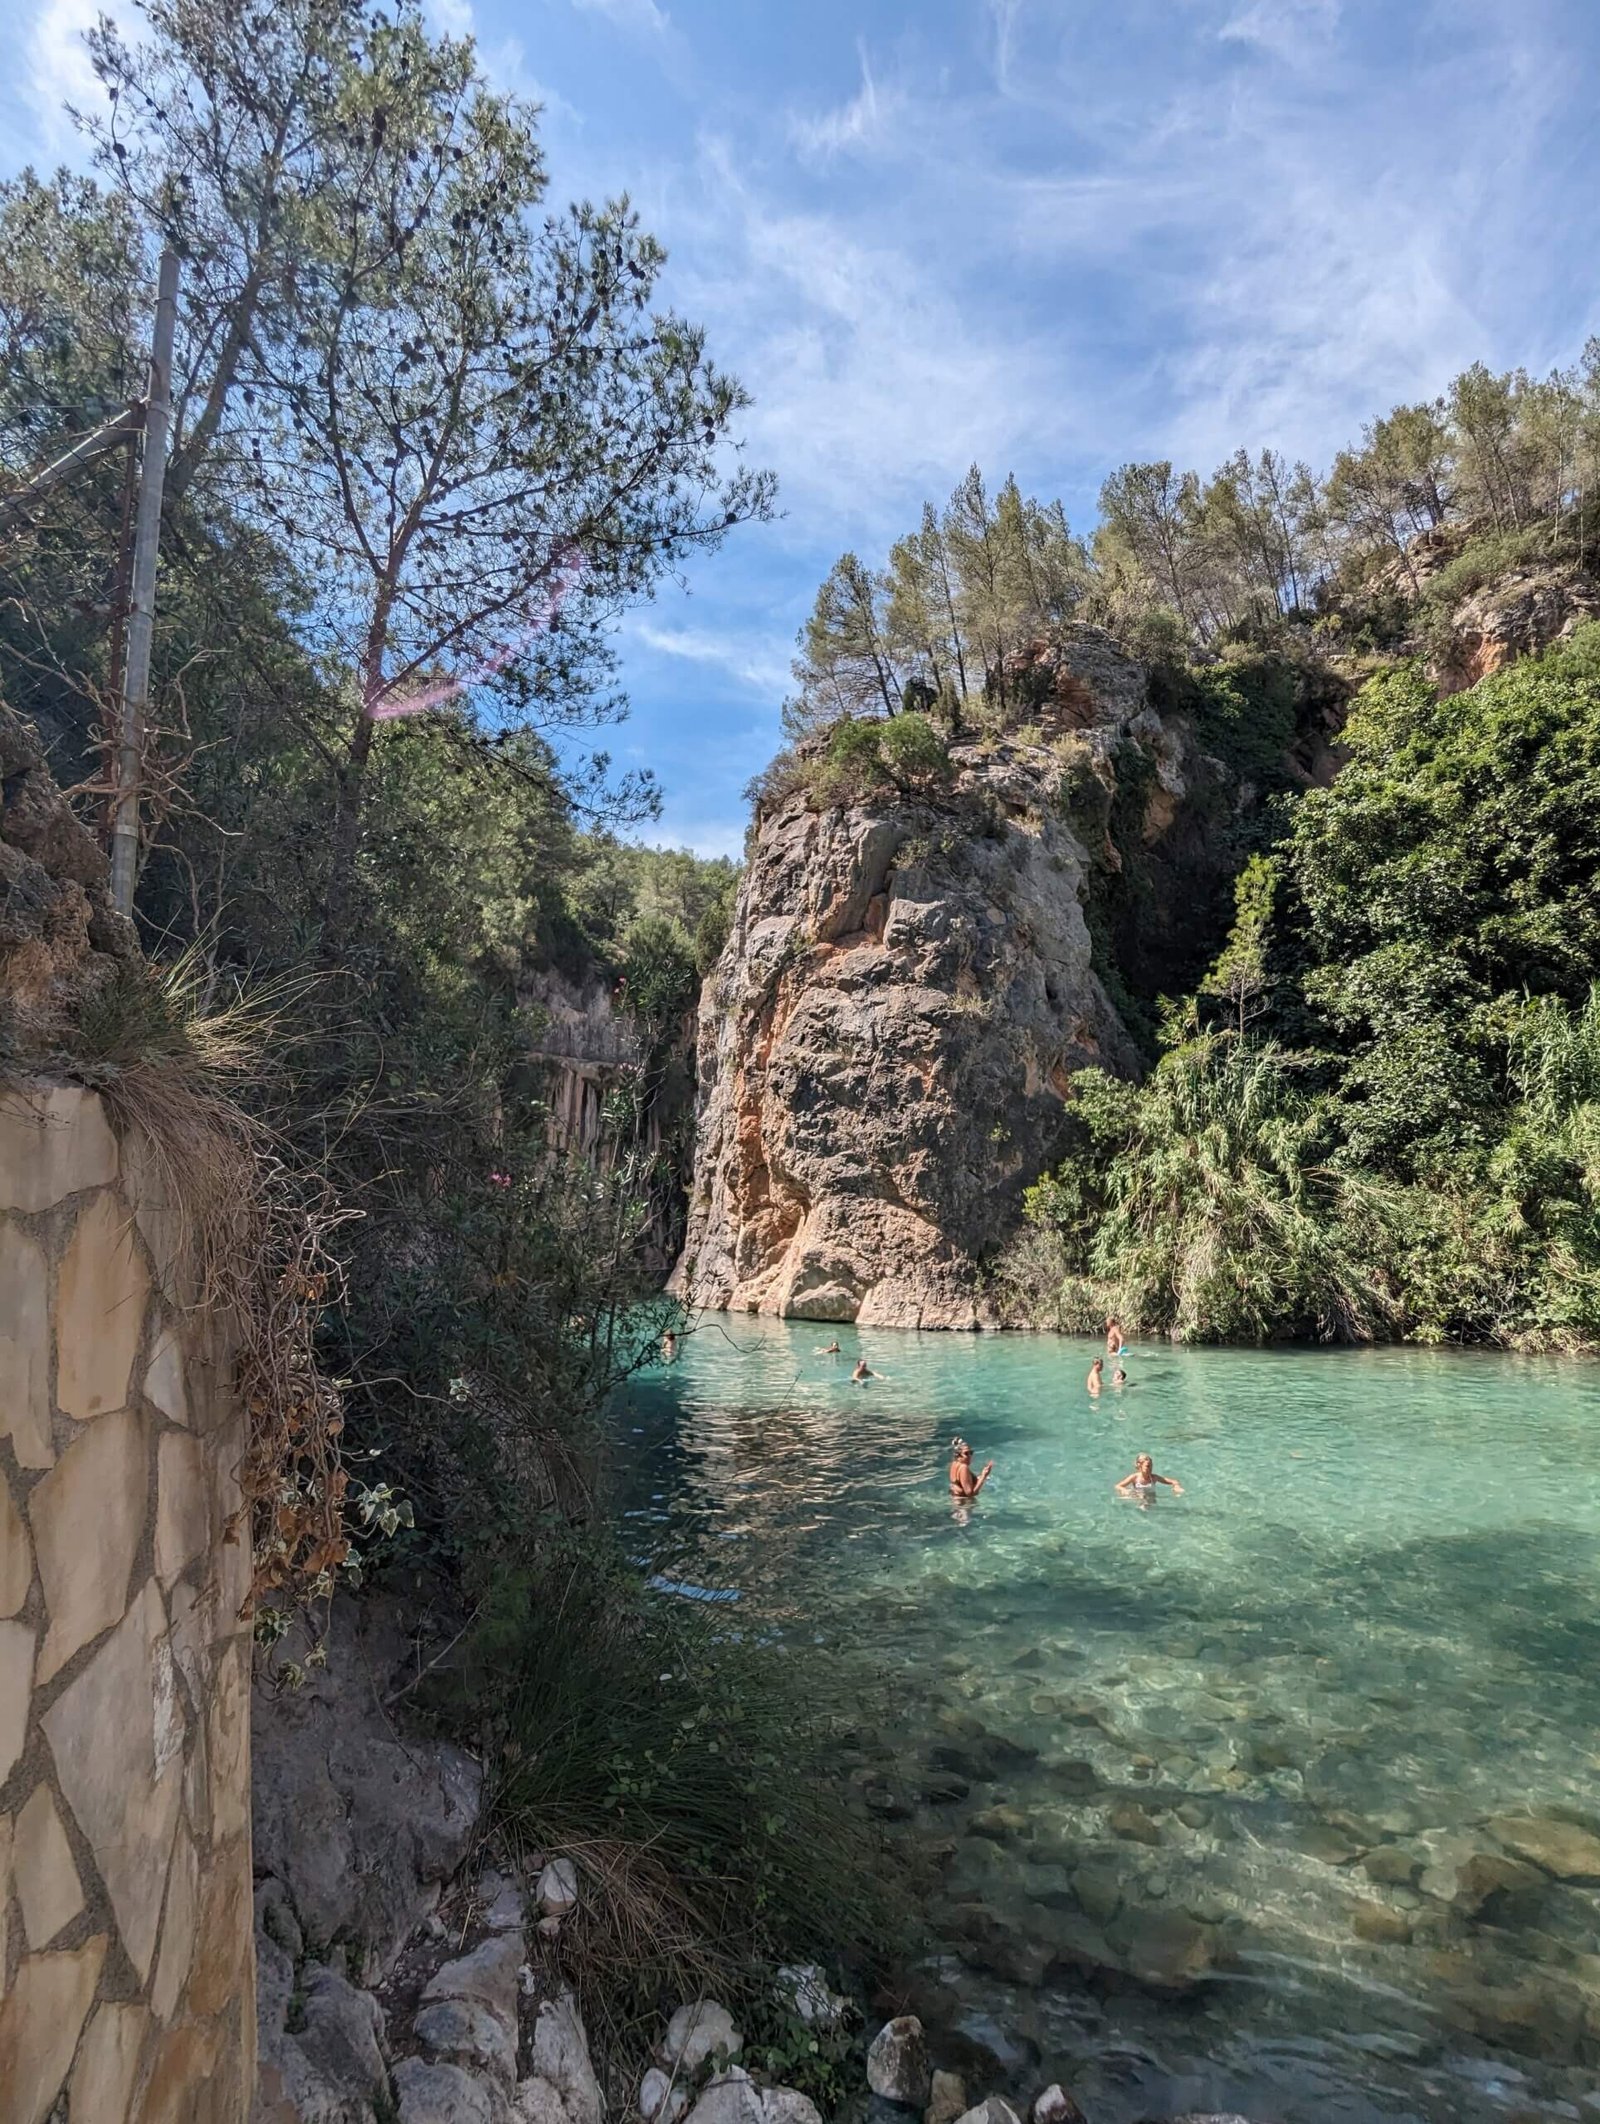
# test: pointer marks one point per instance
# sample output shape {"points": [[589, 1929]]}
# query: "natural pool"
{"points": [[1211, 1783]]}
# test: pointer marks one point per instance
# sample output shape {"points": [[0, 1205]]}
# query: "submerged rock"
{"points": [[1380, 1925], [1129, 1820], [1559, 1848], [947, 2100]]}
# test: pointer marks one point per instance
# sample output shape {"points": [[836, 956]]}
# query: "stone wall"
{"points": [[126, 1963]]}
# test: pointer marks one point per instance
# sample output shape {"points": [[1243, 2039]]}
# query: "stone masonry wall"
{"points": [[126, 1963]]}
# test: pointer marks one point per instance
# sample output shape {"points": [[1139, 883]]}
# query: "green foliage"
{"points": [[1426, 1161], [1203, 1204], [913, 753]]}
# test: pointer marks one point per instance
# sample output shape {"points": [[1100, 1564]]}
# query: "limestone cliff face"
{"points": [[887, 1045]]}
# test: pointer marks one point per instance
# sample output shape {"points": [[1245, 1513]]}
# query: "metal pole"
{"points": [[121, 428], [142, 602]]}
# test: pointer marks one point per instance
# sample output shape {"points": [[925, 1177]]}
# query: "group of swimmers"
{"points": [[964, 1484]]}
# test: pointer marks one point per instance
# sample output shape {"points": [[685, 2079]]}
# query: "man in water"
{"points": [[1144, 1479], [828, 1349], [861, 1373], [1115, 1345], [1095, 1370], [964, 1485], [669, 1347], [1119, 1377]]}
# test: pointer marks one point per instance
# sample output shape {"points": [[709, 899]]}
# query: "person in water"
{"points": [[1095, 1371], [1144, 1479], [1115, 1344], [1119, 1377], [669, 1346], [964, 1485], [828, 1349], [863, 1372]]}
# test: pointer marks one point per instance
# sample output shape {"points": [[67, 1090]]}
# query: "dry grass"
{"points": [[186, 1078]]}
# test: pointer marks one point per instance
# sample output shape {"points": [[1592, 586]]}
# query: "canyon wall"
{"points": [[126, 1971], [888, 1042]]}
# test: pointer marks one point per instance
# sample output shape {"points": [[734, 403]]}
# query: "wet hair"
{"points": [[959, 1446]]}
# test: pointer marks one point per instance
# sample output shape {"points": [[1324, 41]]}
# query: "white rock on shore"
{"points": [[897, 2063], [695, 2034]]}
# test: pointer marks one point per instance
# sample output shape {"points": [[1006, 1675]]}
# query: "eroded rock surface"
{"points": [[888, 1042]]}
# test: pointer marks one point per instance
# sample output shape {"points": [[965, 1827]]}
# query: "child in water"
{"points": [[1095, 1371], [1144, 1479]]}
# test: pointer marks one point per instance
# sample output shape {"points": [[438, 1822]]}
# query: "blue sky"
{"points": [[1048, 235]]}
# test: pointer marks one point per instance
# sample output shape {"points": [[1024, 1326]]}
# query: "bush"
{"points": [[913, 752], [688, 1772]]}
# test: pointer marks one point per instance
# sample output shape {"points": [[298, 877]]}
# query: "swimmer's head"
{"points": [[1099, 1365], [1144, 1465], [960, 1449]]}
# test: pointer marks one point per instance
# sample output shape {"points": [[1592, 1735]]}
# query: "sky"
{"points": [[1045, 236]]}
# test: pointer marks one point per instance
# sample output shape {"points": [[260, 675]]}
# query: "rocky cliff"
{"points": [[888, 1042]]}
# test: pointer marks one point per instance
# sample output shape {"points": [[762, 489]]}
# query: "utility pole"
{"points": [[142, 601]]}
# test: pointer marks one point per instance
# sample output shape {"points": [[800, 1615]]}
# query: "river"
{"points": [[1212, 1782]]}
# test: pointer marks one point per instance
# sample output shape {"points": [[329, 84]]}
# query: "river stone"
{"points": [[557, 1889], [948, 2099], [1055, 2106], [1193, 1814], [897, 2063], [731, 2098], [1479, 1879], [1381, 1925], [1074, 1778], [999, 1824], [660, 2101], [1391, 1867], [804, 1988], [1329, 1846], [1128, 1820], [696, 2032], [996, 2110], [1561, 1848], [1099, 1891], [1164, 1950]]}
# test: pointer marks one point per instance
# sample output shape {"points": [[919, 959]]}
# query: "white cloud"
{"points": [[1291, 30], [454, 17], [756, 664], [861, 123], [631, 14], [59, 72]]}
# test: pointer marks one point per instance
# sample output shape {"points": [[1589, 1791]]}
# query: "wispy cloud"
{"points": [[1292, 30], [59, 73], [631, 14], [757, 664], [860, 123]]}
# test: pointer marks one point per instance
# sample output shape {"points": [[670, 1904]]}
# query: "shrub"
{"points": [[914, 753], [851, 767]]}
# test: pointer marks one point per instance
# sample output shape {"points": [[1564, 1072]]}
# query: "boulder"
{"points": [[1164, 1949], [331, 2069], [1128, 1820], [1485, 1875], [1378, 1923], [1557, 1847], [1391, 1866], [697, 2032], [731, 2098], [358, 1826], [559, 2054], [443, 2094], [897, 2063], [464, 2032]]}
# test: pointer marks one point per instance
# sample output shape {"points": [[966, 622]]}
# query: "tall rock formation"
{"points": [[888, 1042]]}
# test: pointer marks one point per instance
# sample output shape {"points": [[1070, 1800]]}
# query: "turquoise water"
{"points": [[1208, 1783]]}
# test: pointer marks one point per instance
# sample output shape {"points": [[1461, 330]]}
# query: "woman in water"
{"points": [[1144, 1479], [964, 1485]]}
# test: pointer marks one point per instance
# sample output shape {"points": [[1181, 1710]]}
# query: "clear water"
{"points": [[1371, 1623]]}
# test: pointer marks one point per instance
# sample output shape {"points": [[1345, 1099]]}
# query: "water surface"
{"points": [[1202, 1779]]}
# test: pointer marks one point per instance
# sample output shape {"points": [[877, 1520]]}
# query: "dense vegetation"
{"points": [[1381, 1113], [430, 438]]}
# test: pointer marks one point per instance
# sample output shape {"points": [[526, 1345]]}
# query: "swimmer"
{"points": [[1119, 1377], [669, 1347], [1116, 1343], [863, 1372], [964, 1485], [826, 1349], [1144, 1479], [1095, 1370]]}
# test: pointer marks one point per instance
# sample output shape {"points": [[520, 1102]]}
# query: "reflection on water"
{"points": [[1278, 1795]]}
